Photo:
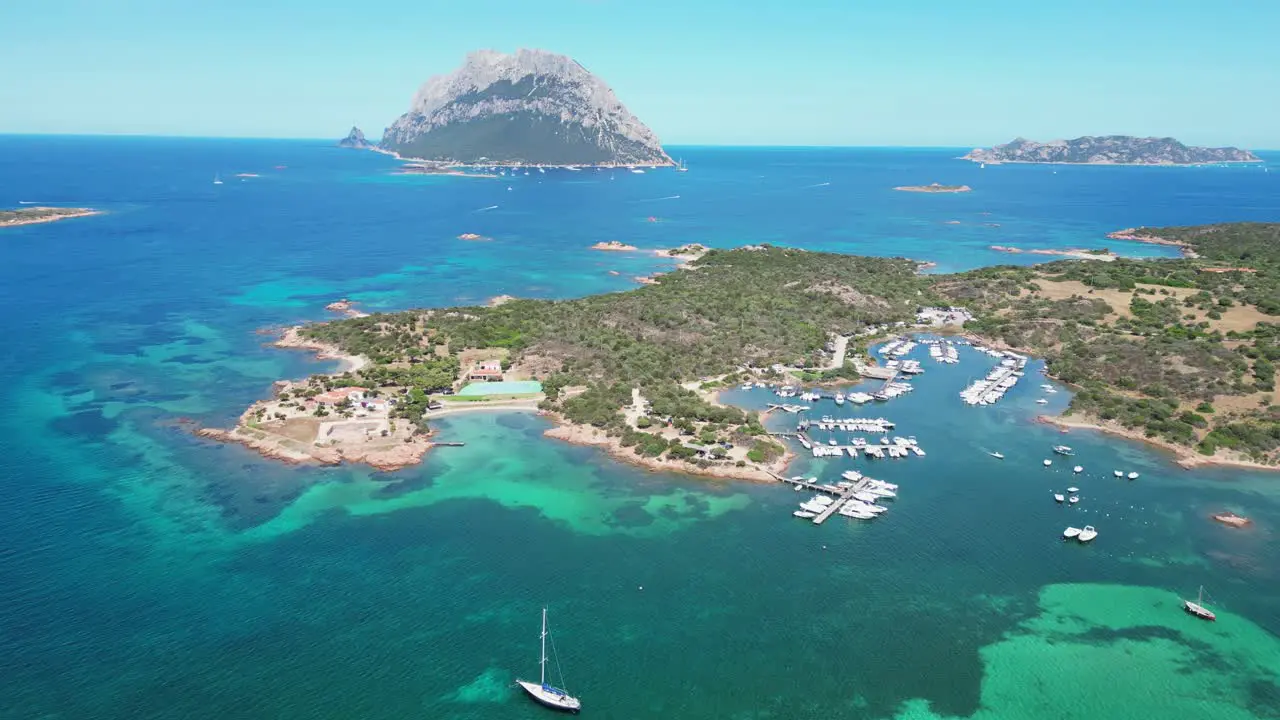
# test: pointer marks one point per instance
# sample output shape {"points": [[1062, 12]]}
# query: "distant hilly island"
{"points": [[531, 107], [534, 107], [1109, 150]]}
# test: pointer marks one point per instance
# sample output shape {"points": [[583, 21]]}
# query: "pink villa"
{"points": [[486, 370]]}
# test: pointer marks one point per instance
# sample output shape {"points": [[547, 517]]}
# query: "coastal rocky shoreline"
{"points": [[40, 214]]}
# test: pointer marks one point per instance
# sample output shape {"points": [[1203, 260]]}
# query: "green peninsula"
{"points": [[1180, 352], [35, 215]]}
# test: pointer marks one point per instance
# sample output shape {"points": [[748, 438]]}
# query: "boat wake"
{"points": [[806, 187], [483, 209], [669, 197]]}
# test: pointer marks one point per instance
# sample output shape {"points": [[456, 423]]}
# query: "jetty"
{"points": [[842, 494]]}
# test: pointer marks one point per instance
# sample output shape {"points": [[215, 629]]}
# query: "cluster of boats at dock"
{"points": [[901, 347], [999, 381], [857, 496], [899, 447]]}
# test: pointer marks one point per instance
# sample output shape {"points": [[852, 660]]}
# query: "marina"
{"points": [[999, 381], [856, 496]]}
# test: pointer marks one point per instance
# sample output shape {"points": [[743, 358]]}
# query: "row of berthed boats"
{"points": [[874, 425], [999, 381], [864, 504], [898, 448], [944, 353], [897, 348]]}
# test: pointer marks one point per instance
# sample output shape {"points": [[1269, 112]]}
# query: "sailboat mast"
{"points": [[543, 662]]}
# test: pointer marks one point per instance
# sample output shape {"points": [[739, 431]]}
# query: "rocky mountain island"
{"points": [[1108, 150], [530, 107], [355, 139]]}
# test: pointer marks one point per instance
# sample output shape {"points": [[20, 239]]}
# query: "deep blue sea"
{"points": [[147, 573]]}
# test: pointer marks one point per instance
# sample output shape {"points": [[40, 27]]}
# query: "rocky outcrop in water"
{"points": [[354, 139], [1109, 150], [530, 107]]}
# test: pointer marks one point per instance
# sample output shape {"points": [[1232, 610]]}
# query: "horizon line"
{"points": [[272, 138]]}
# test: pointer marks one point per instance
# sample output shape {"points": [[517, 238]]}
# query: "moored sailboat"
{"points": [[1197, 608], [549, 695]]}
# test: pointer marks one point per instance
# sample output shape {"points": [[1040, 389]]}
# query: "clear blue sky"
{"points": [[808, 72]]}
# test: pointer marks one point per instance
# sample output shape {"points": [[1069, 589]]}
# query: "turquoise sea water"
{"points": [[145, 573]]}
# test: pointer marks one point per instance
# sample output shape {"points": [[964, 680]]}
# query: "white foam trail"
{"points": [[669, 197], [491, 207], [806, 187], [28, 202]]}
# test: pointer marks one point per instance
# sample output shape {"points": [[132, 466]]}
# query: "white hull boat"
{"points": [[1133, 476], [1118, 473], [549, 695], [1047, 463], [804, 514], [1071, 532], [1073, 499], [1059, 497], [1087, 534]]}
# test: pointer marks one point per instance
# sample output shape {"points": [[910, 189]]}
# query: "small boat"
{"points": [[1078, 468], [638, 171], [217, 180], [839, 398], [1118, 473], [549, 695], [1073, 499], [1087, 534], [1063, 450], [832, 442], [1133, 476], [1071, 532], [996, 455], [1047, 463], [1059, 497], [804, 514], [1073, 489], [1197, 608], [1042, 401]]}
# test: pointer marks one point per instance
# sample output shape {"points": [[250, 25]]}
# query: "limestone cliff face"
{"points": [[528, 107], [1109, 150]]}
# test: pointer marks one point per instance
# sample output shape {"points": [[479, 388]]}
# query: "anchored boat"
{"points": [[549, 695], [1197, 608]]}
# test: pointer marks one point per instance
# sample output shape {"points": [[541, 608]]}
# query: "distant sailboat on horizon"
{"points": [[549, 695], [217, 180]]}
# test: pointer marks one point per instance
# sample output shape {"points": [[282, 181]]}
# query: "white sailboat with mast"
{"points": [[549, 695]]}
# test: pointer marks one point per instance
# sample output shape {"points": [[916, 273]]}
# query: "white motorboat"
{"points": [[1071, 532], [1133, 476], [1078, 468], [1063, 450], [882, 492], [1118, 473], [883, 484], [822, 500], [839, 398], [1073, 499], [1042, 401], [1047, 463], [851, 475], [804, 514], [814, 508], [1087, 534], [1073, 490], [854, 512], [549, 695], [832, 442], [866, 497], [1059, 497], [866, 507], [997, 455]]}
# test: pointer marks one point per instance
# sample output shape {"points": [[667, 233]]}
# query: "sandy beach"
{"points": [[292, 339], [1075, 253], [587, 435], [1186, 457]]}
